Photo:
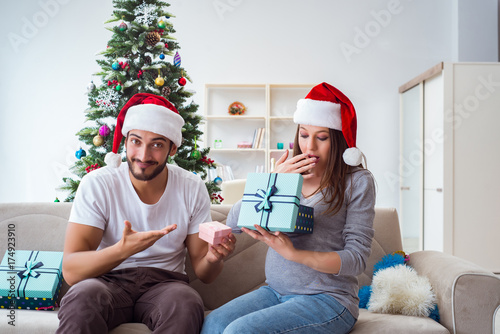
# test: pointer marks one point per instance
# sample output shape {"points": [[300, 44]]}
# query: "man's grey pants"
{"points": [[161, 299]]}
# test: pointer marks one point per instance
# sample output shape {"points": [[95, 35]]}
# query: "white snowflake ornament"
{"points": [[146, 14]]}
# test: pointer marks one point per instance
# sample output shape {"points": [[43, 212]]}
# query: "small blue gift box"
{"points": [[272, 200], [30, 279]]}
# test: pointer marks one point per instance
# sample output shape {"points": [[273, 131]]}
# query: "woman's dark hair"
{"points": [[334, 180]]}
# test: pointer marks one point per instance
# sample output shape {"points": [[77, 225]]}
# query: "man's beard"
{"points": [[141, 176]]}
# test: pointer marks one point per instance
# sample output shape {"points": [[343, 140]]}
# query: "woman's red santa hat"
{"points": [[326, 106], [147, 112]]}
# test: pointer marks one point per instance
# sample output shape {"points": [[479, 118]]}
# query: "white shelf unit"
{"points": [[269, 106]]}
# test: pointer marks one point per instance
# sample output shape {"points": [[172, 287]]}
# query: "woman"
{"points": [[312, 284]]}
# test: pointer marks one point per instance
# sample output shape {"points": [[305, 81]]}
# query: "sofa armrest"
{"points": [[467, 294]]}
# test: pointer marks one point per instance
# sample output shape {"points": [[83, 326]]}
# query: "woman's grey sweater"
{"points": [[349, 233]]}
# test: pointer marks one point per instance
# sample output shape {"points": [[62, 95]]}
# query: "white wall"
{"points": [[44, 77], [473, 29]]}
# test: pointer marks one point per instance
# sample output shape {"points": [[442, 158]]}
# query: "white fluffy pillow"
{"points": [[399, 290]]}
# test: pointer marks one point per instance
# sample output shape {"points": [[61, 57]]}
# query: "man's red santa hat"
{"points": [[147, 112], [326, 106]]}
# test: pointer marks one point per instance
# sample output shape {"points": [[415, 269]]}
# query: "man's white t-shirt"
{"points": [[106, 198]]}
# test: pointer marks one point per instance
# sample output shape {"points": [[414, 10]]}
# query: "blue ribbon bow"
{"points": [[30, 269], [266, 203]]}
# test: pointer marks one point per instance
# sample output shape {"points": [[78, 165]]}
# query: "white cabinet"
{"points": [[411, 171], [450, 184], [268, 106]]}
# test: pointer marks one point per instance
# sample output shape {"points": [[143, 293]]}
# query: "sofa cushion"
{"points": [[38, 226], [130, 328], [375, 323], [29, 321], [387, 240]]}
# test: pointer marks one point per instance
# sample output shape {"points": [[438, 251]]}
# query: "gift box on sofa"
{"points": [[272, 200], [213, 232], [30, 279]]}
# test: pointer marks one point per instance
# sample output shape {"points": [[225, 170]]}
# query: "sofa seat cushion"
{"points": [[374, 323], [28, 321], [46, 322], [131, 328]]}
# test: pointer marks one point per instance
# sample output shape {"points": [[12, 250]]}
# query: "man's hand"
{"points": [[208, 260], [81, 260], [221, 251], [133, 242]]}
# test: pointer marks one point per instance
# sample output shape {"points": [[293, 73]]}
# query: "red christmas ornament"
{"points": [[182, 81], [139, 74]]}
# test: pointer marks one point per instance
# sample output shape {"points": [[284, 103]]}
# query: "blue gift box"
{"points": [[272, 200], [30, 279]]}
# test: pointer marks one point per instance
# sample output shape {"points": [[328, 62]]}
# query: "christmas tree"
{"points": [[142, 56]]}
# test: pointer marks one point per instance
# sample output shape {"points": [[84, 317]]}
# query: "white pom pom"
{"points": [[113, 160], [399, 290], [353, 156]]}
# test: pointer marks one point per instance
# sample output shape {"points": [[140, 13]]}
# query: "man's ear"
{"points": [[173, 149]]}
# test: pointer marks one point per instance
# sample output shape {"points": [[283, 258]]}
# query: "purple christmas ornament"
{"points": [[177, 59], [104, 130]]}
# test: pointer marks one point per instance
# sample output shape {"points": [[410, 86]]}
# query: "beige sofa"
{"points": [[468, 296]]}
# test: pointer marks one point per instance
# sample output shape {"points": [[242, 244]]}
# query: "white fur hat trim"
{"points": [[154, 118], [318, 113]]}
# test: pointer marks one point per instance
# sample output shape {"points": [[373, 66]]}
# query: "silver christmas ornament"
{"points": [[90, 87]]}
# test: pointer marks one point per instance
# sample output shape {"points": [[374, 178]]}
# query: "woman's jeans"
{"points": [[266, 311]]}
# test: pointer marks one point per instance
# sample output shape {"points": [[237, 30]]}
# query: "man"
{"points": [[129, 229]]}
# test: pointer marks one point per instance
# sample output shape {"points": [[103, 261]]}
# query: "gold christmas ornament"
{"points": [[152, 38], [98, 140], [159, 81]]}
